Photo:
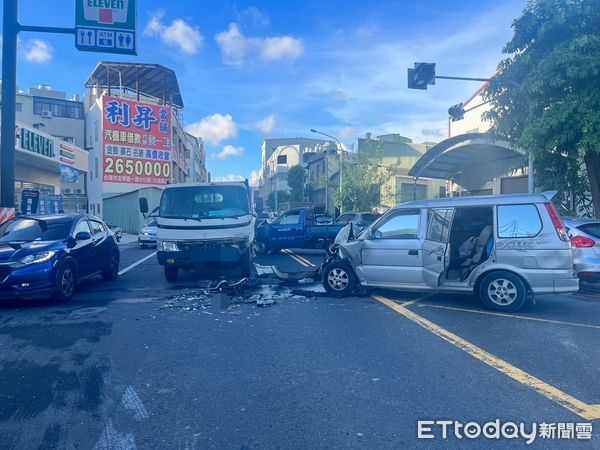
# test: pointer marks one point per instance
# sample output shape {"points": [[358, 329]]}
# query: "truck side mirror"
{"points": [[143, 205]]}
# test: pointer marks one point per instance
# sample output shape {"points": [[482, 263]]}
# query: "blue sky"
{"points": [[250, 70]]}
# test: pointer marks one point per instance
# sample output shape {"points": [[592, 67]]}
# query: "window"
{"points": [[291, 218], [98, 209], [18, 107], [593, 229], [404, 225], [407, 192], [96, 167], [82, 226], [439, 224], [282, 159], [518, 221], [58, 108], [345, 218], [96, 127], [97, 227]]}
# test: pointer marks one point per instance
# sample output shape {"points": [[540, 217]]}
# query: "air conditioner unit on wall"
{"points": [[67, 191], [47, 114]]}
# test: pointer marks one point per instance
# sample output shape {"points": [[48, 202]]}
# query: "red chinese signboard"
{"points": [[136, 141]]}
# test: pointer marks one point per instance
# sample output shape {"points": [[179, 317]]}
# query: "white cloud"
{"points": [[266, 125], [228, 150], [254, 178], [253, 16], [38, 51], [230, 177], [348, 132], [236, 48], [214, 128], [178, 34]]}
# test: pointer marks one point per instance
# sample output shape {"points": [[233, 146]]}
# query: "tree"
{"points": [[361, 182], [546, 95], [296, 177], [282, 197]]}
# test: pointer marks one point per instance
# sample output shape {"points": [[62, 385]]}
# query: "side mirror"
{"points": [[376, 234], [143, 205], [83, 236]]}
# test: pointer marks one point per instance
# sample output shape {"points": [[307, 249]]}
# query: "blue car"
{"points": [[46, 256]]}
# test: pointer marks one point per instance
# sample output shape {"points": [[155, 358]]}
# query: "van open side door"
{"points": [[436, 247]]}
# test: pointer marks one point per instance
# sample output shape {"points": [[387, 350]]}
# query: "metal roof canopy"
{"points": [[153, 80], [471, 160]]}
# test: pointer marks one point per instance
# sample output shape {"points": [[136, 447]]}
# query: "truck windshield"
{"points": [[200, 202]]}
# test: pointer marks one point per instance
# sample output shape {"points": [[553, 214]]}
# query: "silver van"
{"points": [[501, 248]]}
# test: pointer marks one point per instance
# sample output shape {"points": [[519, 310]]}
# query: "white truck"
{"points": [[200, 224]]}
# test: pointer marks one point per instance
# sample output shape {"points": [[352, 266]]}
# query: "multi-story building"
{"points": [[49, 156], [397, 154], [322, 177], [278, 155], [197, 172], [135, 133]]}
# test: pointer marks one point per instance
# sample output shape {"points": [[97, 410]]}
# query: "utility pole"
{"points": [[9, 98]]}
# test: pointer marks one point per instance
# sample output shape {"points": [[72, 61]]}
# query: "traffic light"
{"points": [[456, 112], [422, 75]]}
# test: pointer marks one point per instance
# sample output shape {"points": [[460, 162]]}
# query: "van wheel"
{"points": [[503, 291], [171, 273], [338, 278]]}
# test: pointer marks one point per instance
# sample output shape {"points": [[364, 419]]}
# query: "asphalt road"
{"points": [[140, 363]]}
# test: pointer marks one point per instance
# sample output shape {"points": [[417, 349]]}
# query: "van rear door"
{"points": [[436, 251]]}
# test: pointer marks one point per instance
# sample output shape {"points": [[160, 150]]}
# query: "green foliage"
{"points": [[282, 197], [296, 177], [546, 96], [362, 178]]}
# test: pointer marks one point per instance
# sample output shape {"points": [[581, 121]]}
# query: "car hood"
{"points": [[20, 249], [150, 230]]}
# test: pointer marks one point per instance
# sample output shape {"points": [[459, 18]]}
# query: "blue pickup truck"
{"points": [[296, 228]]}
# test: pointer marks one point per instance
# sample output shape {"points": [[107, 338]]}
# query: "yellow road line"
{"points": [[588, 412], [510, 316], [298, 258]]}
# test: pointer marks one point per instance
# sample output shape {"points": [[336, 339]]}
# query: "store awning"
{"points": [[153, 80], [470, 160]]}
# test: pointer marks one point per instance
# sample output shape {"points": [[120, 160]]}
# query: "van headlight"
{"points": [[37, 258], [168, 246]]}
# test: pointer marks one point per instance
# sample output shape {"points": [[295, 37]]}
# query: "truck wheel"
{"points": [[503, 291], [338, 278], [246, 264], [171, 273], [261, 247]]}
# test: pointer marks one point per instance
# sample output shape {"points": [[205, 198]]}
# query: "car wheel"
{"points": [[503, 291], [111, 272], [171, 273], [261, 247], [65, 283], [339, 279]]}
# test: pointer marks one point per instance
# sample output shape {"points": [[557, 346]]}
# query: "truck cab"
{"points": [[205, 223]]}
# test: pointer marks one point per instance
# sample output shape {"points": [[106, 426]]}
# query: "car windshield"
{"points": [[152, 223], [34, 230], [204, 202]]}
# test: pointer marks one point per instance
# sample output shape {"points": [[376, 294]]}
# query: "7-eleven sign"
{"points": [[106, 11]]}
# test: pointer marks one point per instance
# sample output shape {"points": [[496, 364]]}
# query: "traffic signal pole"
{"points": [[9, 99], [10, 30]]}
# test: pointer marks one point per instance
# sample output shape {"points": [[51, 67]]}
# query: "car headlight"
{"points": [[38, 258], [168, 246]]}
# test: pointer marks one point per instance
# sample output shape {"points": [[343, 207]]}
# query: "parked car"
{"points": [[499, 247], [585, 237], [296, 228], [46, 256], [116, 230], [147, 235], [361, 219]]}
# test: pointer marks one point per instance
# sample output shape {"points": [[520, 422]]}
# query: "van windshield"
{"points": [[204, 202]]}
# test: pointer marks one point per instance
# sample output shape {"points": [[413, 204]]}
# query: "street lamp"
{"points": [[312, 130]]}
